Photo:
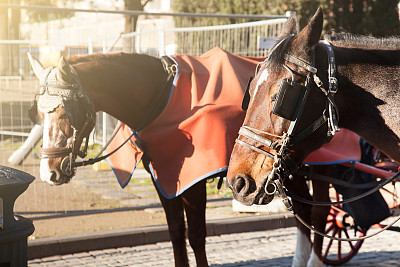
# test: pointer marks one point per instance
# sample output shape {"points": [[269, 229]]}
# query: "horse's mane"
{"points": [[348, 40], [112, 57]]}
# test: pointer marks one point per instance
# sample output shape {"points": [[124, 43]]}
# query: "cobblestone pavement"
{"points": [[264, 248]]}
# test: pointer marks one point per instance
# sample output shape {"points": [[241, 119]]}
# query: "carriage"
{"points": [[357, 168]]}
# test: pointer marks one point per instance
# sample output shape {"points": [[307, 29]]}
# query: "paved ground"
{"points": [[259, 248], [263, 248]]}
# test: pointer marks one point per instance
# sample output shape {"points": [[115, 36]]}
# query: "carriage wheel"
{"points": [[338, 252]]}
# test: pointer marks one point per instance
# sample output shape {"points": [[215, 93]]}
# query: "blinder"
{"points": [[289, 99], [33, 114], [246, 97]]}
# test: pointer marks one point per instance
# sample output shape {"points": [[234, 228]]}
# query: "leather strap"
{"points": [[331, 67], [301, 63]]}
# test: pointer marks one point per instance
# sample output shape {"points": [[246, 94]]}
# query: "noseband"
{"points": [[284, 165]]}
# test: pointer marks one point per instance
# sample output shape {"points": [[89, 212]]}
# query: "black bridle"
{"points": [[284, 165], [82, 127]]}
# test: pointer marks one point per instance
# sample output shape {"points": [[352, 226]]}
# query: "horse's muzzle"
{"points": [[246, 191]]}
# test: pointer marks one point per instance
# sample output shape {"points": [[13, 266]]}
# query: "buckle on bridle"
{"points": [[333, 85], [66, 165]]}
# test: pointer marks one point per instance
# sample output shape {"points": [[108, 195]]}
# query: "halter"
{"points": [[75, 102], [54, 93], [284, 165]]}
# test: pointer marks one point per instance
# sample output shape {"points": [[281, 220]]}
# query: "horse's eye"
{"points": [[273, 97]]}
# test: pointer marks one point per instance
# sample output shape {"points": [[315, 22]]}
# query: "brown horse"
{"points": [[135, 89], [354, 76]]}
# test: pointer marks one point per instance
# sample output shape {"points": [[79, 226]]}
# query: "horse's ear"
{"points": [[36, 65], [65, 72], [290, 27], [310, 35]]}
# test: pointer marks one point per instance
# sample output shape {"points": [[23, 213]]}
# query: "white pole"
{"points": [[104, 129], [22, 152], [161, 42], [137, 41]]}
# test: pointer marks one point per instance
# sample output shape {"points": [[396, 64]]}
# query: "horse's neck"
{"points": [[369, 96], [123, 87]]}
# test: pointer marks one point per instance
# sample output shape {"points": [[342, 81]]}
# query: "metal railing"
{"points": [[74, 36]]}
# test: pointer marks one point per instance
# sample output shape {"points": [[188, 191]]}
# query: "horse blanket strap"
{"points": [[169, 66], [194, 135]]}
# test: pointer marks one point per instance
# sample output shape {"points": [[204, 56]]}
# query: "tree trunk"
{"points": [[3, 36], [130, 23], [9, 30]]}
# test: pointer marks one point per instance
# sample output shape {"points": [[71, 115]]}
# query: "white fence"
{"points": [[92, 32], [239, 38]]}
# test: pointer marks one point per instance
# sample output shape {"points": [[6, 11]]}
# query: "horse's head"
{"points": [[68, 118], [284, 107]]}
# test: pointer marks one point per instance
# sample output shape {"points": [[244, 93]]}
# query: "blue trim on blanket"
{"points": [[331, 162], [175, 81], [130, 176], [188, 186]]}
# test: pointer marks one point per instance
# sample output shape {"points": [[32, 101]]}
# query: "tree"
{"points": [[10, 19], [9, 30], [371, 17]]}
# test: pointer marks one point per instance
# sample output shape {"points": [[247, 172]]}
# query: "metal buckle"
{"points": [[333, 85]]}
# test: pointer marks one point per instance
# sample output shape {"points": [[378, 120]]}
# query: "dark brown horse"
{"points": [[133, 88], [365, 94]]}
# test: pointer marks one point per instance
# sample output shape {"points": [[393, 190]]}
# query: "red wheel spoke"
{"points": [[330, 228], [328, 248], [347, 236], [339, 245], [340, 252]]}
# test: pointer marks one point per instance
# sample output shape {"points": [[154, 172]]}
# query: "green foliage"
{"points": [[37, 15], [370, 17]]}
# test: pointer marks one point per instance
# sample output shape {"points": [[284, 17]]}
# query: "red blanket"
{"points": [[193, 137], [344, 147]]}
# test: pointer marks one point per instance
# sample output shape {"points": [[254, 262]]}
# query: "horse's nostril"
{"points": [[240, 184], [53, 176]]}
